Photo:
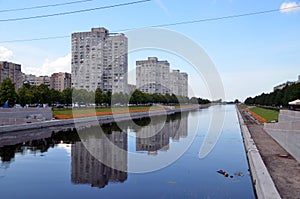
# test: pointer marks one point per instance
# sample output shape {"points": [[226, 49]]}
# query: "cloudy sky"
{"points": [[252, 54]]}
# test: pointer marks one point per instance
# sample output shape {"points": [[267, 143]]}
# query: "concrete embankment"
{"points": [[262, 181], [87, 121], [286, 132]]}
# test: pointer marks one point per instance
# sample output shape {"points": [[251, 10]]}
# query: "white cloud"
{"points": [[288, 7], [61, 64], [5, 54]]}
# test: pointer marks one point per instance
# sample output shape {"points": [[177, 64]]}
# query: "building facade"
{"points": [[99, 60], [60, 81], [12, 71], [179, 83], [153, 76], [36, 81]]}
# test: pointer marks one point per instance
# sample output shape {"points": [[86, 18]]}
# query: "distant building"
{"points": [[288, 83], [179, 83], [12, 71], [60, 81], [36, 81], [99, 60], [153, 76], [281, 86]]}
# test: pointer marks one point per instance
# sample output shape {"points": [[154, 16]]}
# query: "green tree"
{"points": [[55, 97], [67, 96], [25, 95], [99, 97], [7, 92], [107, 98]]}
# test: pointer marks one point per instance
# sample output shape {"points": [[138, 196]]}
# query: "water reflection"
{"points": [[86, 150], [174, 128], [86, 169]]}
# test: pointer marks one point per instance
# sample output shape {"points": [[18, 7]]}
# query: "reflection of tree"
{"points": [[86, 169], [7, 153]]}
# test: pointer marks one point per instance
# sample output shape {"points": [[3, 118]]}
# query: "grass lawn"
{"points": [[268, 114], [70, 111]]}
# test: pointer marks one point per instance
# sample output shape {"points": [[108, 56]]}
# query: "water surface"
{"points": [[58, 165]]}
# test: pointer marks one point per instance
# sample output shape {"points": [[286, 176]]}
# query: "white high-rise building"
{"points": [[99, 60], [179, 83], [152, 76]]}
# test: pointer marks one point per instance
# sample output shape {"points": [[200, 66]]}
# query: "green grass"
{"points": [[69, 111], [268, 114]]}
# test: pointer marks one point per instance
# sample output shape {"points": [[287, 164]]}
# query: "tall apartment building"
{"points": [[12, 71], [36, 81], [179, 83], [153, 76], [60, 81], [99, 60]]}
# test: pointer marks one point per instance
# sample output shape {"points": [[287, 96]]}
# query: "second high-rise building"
{"points": [[99, 60]]}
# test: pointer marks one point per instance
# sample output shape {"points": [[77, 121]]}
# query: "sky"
{"points": [[251, 54]]}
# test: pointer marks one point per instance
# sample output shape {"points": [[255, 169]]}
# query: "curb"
{"points": [[262, 181], [86, 121]]}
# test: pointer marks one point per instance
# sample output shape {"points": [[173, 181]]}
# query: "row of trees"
{"points": [[277, 97], [41, 94]]}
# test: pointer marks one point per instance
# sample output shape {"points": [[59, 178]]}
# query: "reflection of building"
{"points": [[60, 81], [11, 71], [156, 137], [99, 60], [87, 169]]}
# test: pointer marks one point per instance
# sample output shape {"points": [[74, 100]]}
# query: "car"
{"points": [[17, 106]]}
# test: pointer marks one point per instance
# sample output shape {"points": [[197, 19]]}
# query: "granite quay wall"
{"points": [[262, 181], [13, 116], [89, 121]]}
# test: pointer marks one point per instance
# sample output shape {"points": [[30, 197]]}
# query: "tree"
{"points": [[7, 92], [99, 97], [107, 98], [25, 95], [55, 97], [41, 94], [67, 96], [236, 101]]}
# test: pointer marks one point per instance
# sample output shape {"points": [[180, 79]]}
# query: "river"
{"points": [[146, 158]]}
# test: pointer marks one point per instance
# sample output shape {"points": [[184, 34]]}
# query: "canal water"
{"points": [[65, 164]]}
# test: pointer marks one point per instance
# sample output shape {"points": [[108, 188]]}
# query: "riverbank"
{"points": [[88, 121], [283, 169]]}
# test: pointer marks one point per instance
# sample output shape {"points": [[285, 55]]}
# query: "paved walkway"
{"points": [[283, 168]]}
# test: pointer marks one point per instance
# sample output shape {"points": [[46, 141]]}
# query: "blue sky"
{"points": [[252, 54]]}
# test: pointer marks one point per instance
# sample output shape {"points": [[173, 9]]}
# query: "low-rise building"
{"points": [[36, 81]]}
